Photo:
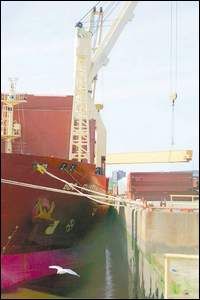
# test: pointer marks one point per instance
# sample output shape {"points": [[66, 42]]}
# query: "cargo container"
{"points": [[158, 185]]}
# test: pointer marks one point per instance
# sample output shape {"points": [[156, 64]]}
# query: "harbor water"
{"points": [[103, 271], [124, 257]]}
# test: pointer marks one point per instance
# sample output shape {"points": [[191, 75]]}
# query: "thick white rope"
{"points": [[80, 194], [124, 203], [74, 186]]}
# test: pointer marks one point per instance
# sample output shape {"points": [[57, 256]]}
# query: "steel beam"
{"points": [[175, 156]]}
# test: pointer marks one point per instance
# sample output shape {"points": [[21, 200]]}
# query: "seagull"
{"points": [[60, 270]]}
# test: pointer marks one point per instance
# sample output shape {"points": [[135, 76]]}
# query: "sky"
{"points": [[38, 40]]}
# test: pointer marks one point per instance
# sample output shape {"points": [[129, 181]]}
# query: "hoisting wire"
{"points": [[99, 4], [107, 11], [173, 63], [110, 9], [172, 125], [85, 16]]}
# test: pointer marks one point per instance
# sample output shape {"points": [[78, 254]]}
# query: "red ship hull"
{"points": [[41, 215], [20, 268], [34, 218]]}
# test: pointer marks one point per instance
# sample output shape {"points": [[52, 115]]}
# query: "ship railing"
{"points": [[166, 205], [192, 197]]}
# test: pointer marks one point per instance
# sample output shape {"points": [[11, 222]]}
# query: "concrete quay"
{"points": [[162, 250]]}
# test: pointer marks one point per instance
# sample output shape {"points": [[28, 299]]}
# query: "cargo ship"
{"points": [[36, 211], [48, 201], [53, 155], [52, 163]]}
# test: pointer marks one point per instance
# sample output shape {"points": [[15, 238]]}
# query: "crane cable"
{"points": [[173, 68], [98, 5], [107, 11], [86, 15]]}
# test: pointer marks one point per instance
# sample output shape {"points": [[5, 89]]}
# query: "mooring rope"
{"points": [[80, 194], [75, 187], [118, 202]]}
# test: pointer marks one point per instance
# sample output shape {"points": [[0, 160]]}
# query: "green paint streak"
{"points": [[175, 288]]}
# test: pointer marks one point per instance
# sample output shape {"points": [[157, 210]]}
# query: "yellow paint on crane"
{"points": [[99, 106], [175, 156]]}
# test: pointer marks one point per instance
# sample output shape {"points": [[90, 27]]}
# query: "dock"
{"points": [[162, 249]]}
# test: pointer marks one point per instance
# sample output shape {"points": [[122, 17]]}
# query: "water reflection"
{"points": [[108, 275]]}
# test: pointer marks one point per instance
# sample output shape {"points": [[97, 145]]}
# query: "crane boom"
{"points": [[101, 56], [89, 61]]}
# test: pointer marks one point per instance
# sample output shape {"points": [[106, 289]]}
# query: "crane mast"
{"points": [[90, 55], [79, 142], [10, 129]]}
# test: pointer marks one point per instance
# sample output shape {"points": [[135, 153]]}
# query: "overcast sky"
{"points": [[38, 49]]}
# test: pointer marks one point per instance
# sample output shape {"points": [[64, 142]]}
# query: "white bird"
{"points": [[60, 270]]}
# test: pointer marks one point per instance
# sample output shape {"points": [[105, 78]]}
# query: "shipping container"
{"points": [[159, 185]]}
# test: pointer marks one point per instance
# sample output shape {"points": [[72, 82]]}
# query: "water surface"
{"points": [[103, 271]]}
